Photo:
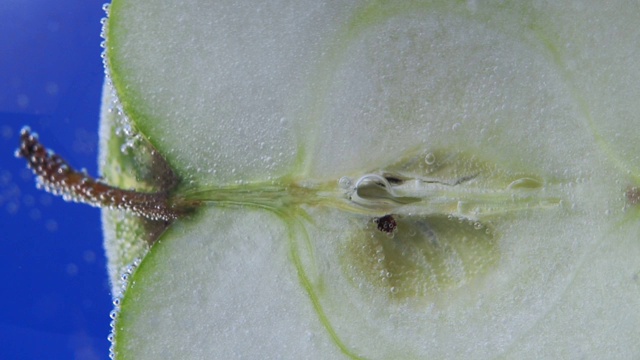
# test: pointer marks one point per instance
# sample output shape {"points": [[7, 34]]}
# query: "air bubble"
{"points": [[345, 182], [113, 314], [126, 127], [430, 159], [477, 225], [124, 148]]}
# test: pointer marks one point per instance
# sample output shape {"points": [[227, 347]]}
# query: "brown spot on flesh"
{"points": [[633, 195], [386, 224]]}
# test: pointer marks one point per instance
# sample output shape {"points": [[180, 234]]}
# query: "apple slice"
{"points": [[380, 179]]}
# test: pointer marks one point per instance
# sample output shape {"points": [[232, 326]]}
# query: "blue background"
{"points": [[55, 302]]}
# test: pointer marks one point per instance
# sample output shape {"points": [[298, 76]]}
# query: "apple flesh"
{"points": [[498, 137]]}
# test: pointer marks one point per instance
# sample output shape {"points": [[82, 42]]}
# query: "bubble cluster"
{"points": [[117, 301], [124, 126]]}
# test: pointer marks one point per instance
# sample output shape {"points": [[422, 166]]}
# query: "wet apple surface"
{"points": [[375, 179]]}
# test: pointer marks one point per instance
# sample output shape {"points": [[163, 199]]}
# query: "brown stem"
{"points": [[56, 176]]}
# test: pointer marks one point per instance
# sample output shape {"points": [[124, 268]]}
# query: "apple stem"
{"points": [[56, 176]]}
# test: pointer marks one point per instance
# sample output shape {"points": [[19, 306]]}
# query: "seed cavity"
{"points": [[426, 258]]}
